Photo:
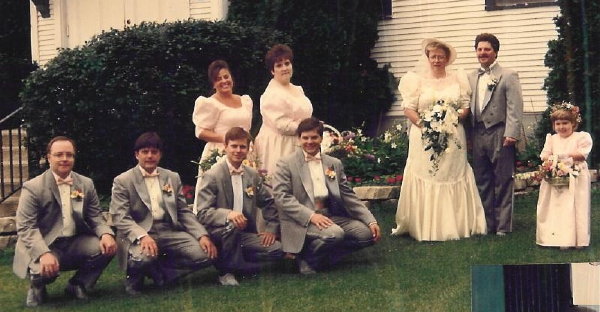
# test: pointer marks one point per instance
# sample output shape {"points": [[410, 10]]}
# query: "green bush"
{"points": [[332, 43], [143, 78], [565, 58]]}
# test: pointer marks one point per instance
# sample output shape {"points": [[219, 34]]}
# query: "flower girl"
{"points": [[563, 208]]}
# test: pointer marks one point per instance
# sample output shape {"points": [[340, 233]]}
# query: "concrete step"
{"points": [[8, 208], [15, 153], [16, 174], [12, 134], [8, 225], [7, 241]]}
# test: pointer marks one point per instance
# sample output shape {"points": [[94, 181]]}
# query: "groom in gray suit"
{"points": [[60, 227], [229, 200], [158, 235], [321, 217], [497, 109]]}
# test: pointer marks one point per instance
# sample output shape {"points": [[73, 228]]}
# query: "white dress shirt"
{"points": [[238, 189], [155, 193], [482, 88], [69, 228], [317, 176]]}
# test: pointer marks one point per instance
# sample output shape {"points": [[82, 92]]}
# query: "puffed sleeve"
{"points": [[247, 104], [584, 144], [465, 88], [409, 87], [276, 111], [547, 150], [206, 114]]}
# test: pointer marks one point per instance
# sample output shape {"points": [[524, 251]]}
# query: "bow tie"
{"points": [[482, 71], [311, 157], [238, 171], [149, 175], [61, 181]]}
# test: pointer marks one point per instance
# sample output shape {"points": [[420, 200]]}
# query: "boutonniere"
{"points": [[250, 191], [77, 194], [167, 189], [492, 84], [330, 173]]}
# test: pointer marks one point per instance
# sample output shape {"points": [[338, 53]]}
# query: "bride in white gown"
{"points": [[442, 204]]}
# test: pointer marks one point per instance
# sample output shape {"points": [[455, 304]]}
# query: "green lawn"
{"points": [[398, 274]]}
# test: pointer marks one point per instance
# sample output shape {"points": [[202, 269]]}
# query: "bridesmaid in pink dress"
{"points": [[282, 106], [563, 212], [215, 115]]}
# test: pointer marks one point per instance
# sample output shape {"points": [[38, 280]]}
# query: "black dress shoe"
{"points": [[36, 295], [76, 291]]}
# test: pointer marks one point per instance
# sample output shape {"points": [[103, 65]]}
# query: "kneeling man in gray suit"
{"points": [[158, 235], [321, 217], [60, 227], [229, 197]]}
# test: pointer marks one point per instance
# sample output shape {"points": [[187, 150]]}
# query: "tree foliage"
{"points": [[565, 57], [143, 78], [332, 43], [15, 53]]}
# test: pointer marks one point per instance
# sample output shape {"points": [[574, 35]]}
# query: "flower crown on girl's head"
{"points": [[566, 106]]}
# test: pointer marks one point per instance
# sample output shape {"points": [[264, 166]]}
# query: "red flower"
{"points": [[376, 178], [349, 178], [391, 180], [399, 178], [357, 180]]}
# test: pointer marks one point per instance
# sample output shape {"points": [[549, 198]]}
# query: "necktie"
{"points": [[149, 175], [68, 181], [482, 71], [312, 158], [238, 171]]}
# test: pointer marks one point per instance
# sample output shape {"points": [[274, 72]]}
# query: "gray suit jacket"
{"points": [[215, 199], [131, 210], [39, 217], [502, 104], [293, 192]]}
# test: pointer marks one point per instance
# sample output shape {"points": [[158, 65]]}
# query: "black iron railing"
{"points": [[12, 161]]}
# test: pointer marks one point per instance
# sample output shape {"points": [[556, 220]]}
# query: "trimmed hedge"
{"points": [[143, 78]]}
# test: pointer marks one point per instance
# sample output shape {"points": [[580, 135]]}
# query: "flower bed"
{"points": [[369, 160]]}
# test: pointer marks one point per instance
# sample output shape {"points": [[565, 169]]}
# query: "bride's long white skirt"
{"points": [[441, 206]]}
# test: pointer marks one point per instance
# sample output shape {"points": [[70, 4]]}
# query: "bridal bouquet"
{"points": [[207, 162], [439, 130], [556, 170]]}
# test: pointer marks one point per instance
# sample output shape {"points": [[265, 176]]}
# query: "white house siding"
{"points": [[73, 22], [523, 34], [43, 35]]}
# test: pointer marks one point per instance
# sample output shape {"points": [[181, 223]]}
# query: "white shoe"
{"points": [[228, 280]]}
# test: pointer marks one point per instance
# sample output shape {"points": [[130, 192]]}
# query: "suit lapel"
{"points": [[77, 204], [226, 183], [496, 73], [248, 201], [53, 187], [302, 167], [169, 201], [140, 187], [332, 184]]}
